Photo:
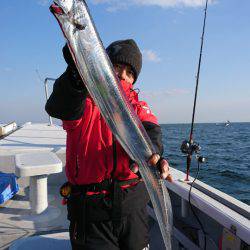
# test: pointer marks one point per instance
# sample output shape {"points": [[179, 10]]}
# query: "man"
{"points": [[107, 204]]}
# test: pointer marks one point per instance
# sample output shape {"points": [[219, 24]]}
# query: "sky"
{"points": [[168, 33]]}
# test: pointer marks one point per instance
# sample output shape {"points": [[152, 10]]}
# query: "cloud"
{"points": [[7, 69], [43, 2], [150, 55], [162, 93], [114, 5], [118, 4]]}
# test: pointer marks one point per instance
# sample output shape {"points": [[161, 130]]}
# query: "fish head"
{"points": [[73, 12], [73, 18], [65, 5]]}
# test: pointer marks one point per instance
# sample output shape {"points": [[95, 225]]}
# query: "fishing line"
{"points": [[39, 76], [191, 206]]}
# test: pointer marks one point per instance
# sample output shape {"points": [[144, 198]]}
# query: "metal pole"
{"points": [[46, 94]]}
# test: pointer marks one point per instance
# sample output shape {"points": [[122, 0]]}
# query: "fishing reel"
{"points": [[191, 148]]}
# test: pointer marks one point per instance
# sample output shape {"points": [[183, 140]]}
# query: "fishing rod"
{"points": [[189, 147]]}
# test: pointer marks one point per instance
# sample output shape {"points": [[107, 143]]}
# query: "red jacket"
{"points": [[90, 150]]}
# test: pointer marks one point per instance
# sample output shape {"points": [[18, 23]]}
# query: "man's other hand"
{"points": [[156, 161]]}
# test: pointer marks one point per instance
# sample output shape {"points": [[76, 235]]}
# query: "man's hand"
{"points": [[162, 165]]}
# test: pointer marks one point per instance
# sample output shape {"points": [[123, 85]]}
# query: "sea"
{"points": [[227, 153]]}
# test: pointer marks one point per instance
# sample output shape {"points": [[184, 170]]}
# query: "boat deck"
{"points": [[49, 230], [216, 210]]}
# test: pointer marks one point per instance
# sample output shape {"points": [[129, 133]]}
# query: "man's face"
{"points": [[124, 72]]}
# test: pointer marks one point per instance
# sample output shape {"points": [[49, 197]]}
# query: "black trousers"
{"points": [[97, 223], [130, 233]]}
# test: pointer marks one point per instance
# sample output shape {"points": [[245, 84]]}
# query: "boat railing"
{"points": [[47, 79], [7, 129], [226, 210]]}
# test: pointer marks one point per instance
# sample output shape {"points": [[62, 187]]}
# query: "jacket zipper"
{"points": [[77, 166], [77, 162], [114, 157]]}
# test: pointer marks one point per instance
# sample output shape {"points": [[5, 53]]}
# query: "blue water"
{"points": [[227, 149]]}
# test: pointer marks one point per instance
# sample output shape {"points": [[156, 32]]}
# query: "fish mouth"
{"points": [[65, 5], [55, 9]]}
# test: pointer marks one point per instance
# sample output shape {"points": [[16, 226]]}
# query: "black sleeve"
{"points": [[67, 99], [155, 134]]}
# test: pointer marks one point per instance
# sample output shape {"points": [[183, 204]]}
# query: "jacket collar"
{"points": [[129, 91]]}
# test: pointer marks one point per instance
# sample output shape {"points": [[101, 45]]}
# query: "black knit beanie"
{"points": [[67, 56], [126, 52]]}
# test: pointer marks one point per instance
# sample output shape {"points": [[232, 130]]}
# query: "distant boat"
{"points": [[227, 123]]}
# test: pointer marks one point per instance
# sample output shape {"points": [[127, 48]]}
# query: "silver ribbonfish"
{"points": [[98, 75]]}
